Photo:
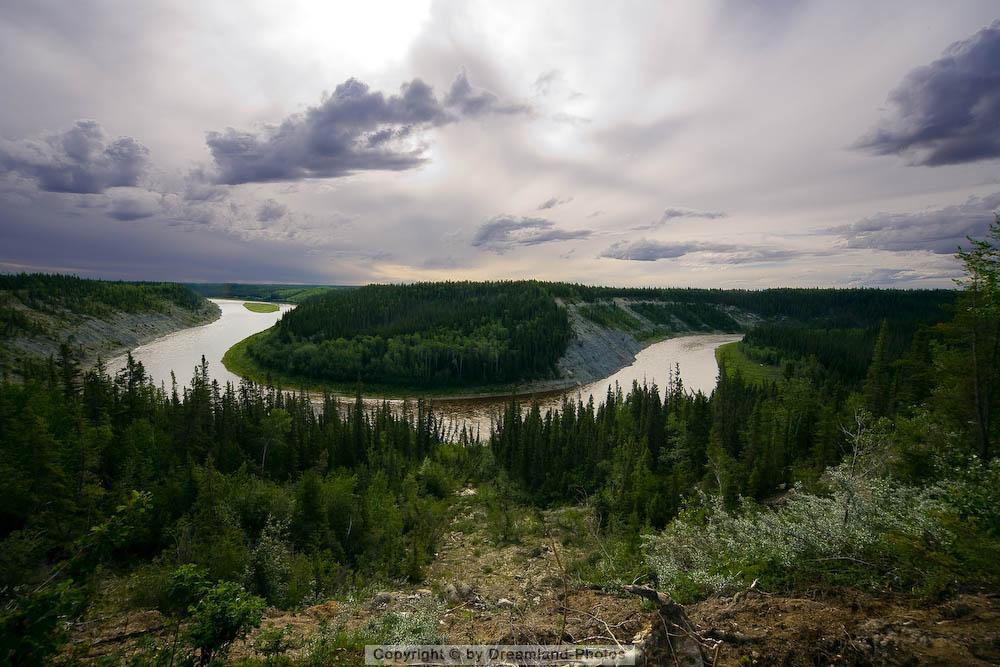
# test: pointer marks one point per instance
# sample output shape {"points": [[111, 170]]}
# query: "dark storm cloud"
{"points": [[504, 232], [354, 129], [939, 231], [644, 250], [552, 202], [470, 102], [672, 213], [78, 160], [948, 112], [271, 210]]}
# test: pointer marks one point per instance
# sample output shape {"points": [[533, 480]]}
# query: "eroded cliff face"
{"points": [[596, 352], [95, 337]]}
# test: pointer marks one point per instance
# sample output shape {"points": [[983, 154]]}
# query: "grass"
{"points": [[733, 357], [261, 307]]}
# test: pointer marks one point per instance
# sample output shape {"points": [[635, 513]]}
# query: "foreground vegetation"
{"points": [[210, 503]]}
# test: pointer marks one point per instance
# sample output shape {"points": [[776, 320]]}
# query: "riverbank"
{"points": [[594, 356], [238, 361], [103, 337]]}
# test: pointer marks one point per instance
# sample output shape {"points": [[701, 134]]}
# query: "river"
{"points": [[181, 351]]}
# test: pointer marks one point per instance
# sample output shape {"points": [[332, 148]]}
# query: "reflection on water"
{"points": [[181, 351]]}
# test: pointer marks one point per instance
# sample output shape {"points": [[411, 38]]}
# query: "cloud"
{"points": [[675, 213], [271, 210], [78, 160], [947, 112], [885, 277], [135, 205], [546, 81], [198, 187], [672, 213], [504, 232], [645, 250], [553, 202], [354, 129], [939, 231], [471, 103]]}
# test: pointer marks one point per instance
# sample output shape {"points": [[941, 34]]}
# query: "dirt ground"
{"points": [[479, 592]]}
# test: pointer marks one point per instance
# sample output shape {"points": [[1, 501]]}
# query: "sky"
{"points": [[720, 143]]}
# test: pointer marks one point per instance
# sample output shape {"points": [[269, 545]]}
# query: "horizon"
{"points": [[726, 145]]}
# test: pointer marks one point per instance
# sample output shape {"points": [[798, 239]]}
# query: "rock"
{"points": [[424, 591], [504, 602]]}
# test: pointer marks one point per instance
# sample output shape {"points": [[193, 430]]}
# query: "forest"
{"points": [[56, 293], [425, 334], [479, 334], [259, 292], [872, 462], [41, 312]]}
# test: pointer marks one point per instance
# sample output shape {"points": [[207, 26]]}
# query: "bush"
{"points": [[226, 613], [270, 566], [847, 536]]}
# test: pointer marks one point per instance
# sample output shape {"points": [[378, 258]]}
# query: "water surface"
{"points": [[181, 351]]}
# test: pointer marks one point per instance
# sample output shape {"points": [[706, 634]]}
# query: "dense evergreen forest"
{"points": [[212, 501], [477, 334], [426, 334], [259, 292]]}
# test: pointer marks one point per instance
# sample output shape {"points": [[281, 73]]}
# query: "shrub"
{"points": [[846, 536], [226, 613], [270, 565]]}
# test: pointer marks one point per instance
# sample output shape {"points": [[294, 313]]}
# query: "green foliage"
{"points": [[847, 536], [696, 316], [273, 641], [33, 617], [224, 614], [428, 334], [610, 315], [254, 307], [46, 292], [40, 315], [33, 623], [265, 292], [733, 358], [269, 566]]}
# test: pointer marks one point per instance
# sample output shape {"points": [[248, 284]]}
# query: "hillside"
{"points": [[537, 335], [40, 312], [839, 516], [260, 292]]}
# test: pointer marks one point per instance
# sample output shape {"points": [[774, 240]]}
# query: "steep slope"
{"points": [[39, 313]]}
